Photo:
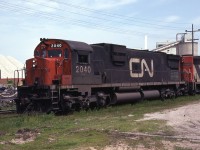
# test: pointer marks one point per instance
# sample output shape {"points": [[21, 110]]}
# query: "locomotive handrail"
{"points": [[17, 77]]}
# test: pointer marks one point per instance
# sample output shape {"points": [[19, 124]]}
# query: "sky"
{"points": [[125, 22]]}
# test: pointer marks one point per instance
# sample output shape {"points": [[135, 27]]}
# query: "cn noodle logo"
{"points": [[144, 68]]}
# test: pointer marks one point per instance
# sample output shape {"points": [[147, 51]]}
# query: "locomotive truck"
{"points": [[66, 76]]}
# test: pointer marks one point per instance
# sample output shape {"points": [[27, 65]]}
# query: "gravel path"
{"points": [[185, 120]]}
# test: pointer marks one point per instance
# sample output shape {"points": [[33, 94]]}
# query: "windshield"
{"points": [[54, 53]]}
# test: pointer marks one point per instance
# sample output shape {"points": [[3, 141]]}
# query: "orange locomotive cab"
{"points": [[51, 63], [48, 83]]}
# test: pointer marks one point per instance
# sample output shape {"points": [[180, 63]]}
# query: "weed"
{"points": [[92, 128]]}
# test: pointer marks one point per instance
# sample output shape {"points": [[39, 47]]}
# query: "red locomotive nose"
{"points": [[51, 63]]}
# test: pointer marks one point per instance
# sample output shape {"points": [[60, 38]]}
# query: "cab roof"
{"points": [[74, 45]]}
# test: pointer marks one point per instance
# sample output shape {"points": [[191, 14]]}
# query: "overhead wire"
{"points": [[59, 17], [78, 22], [97, 16], [113, 14], [55, 17]]}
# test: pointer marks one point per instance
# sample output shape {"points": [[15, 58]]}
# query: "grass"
{"points": [[89, 129]]}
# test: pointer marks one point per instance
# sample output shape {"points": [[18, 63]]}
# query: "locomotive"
{"points": [[66, 76]]}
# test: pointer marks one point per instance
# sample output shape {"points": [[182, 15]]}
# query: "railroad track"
{"points": [[7, 112]]}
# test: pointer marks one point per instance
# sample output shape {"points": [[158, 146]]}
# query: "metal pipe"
{"points": [[126, 97], [151, 94]]}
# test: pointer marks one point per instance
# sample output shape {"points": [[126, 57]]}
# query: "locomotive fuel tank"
{"points": [[130, 97]]}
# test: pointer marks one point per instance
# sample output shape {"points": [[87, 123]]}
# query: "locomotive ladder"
{"points": [[55, 100]]}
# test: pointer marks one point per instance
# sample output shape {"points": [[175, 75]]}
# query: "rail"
{"points": [[7, 111]]}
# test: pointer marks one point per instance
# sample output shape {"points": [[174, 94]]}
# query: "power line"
{"points": [[59, 17], [72, 21], [110, 15]]}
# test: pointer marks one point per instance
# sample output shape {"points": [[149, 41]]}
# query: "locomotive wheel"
{"points": [[66, 107], [172, 95], [162, 95], [193, 92], [93, 105], [19, 107]]}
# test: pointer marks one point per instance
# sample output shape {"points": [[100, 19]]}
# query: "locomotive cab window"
{"points": [[43, 53], [36, 53], [66, 53], [54, 53], [83, 59], [82, 56]]}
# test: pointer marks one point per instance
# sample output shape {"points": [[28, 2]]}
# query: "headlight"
{"points": [[34, 63]]}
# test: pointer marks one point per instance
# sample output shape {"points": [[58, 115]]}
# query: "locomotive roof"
{"points": [[79, 45], [74, 45]]}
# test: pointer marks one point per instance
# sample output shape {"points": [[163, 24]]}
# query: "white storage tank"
{"points": [[185, 48]]}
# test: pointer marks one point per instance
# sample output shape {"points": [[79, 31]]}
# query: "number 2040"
{"points": [[83, 69]]}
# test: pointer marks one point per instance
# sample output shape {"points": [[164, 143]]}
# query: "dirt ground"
{"points": [[185, 122]]}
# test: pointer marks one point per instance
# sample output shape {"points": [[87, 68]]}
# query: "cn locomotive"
{"points": [[66, 76]]}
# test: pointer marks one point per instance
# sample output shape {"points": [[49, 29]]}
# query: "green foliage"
{"points": [[88, 129]]}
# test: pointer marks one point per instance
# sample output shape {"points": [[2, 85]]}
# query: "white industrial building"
{"points": [[182, 46]]}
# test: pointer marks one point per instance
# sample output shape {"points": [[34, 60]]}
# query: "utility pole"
{"points": [[193, 37]]}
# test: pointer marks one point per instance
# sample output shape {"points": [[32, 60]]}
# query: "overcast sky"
{"points": [[126, 22]]}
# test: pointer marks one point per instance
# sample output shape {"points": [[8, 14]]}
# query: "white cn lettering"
{"points": [[143, 65]]}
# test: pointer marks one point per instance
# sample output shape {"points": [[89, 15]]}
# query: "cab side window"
{"points": [[44, 53], [36, 53], [66, 54], [83, 59]]}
